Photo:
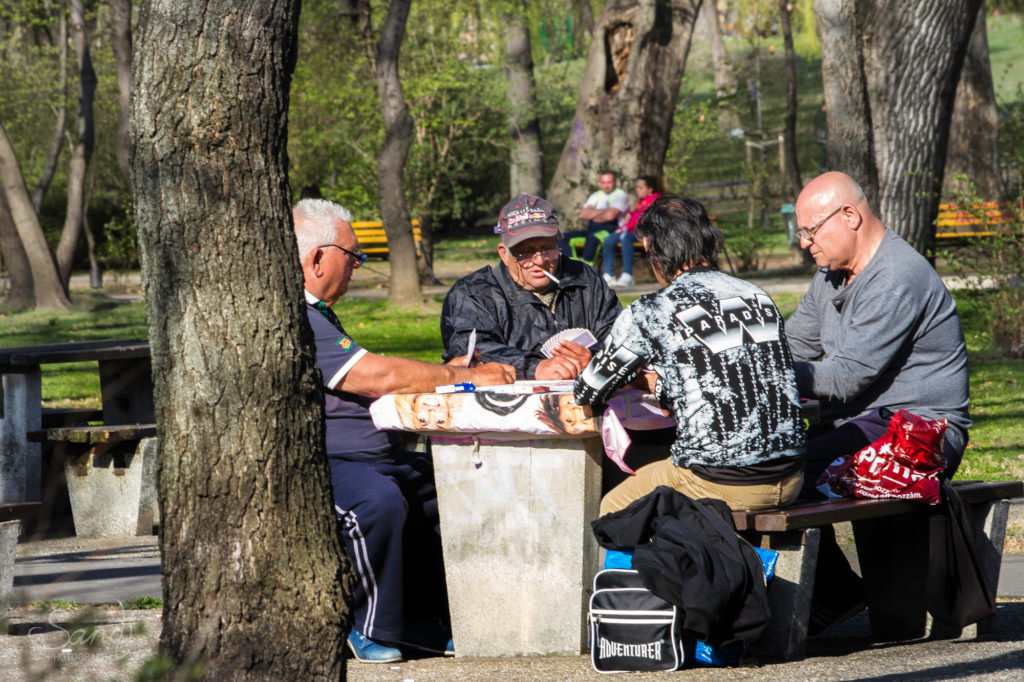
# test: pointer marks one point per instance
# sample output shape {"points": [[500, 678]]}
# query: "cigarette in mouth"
{"points": [[550, 276]]}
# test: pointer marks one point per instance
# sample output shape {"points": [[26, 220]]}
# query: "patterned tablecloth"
{"points": [[485, 416]]}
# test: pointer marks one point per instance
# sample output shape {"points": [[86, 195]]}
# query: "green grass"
{"points": [[143, 603], [55, 604]]}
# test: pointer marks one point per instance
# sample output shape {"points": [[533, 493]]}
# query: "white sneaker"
{"points": [[625, 280], [609, 280]]}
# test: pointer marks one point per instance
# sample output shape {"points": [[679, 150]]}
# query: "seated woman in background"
{"points": [[648, 187]]}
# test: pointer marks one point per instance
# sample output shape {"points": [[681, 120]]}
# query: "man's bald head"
{"points": [[835, 223], [831, 189]]}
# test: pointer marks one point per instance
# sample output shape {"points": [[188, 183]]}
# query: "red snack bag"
{"points": [[905, 462]]}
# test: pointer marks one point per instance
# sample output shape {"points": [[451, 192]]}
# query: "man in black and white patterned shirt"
{"points": [[715, 353]]}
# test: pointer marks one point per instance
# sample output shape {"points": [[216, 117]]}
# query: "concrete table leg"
{"points": [[9, 531], [518, 549], [20, 461], [789, 593], [105, 486]]}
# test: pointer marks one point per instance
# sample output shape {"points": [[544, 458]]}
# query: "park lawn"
{"points": [[996, 449]]}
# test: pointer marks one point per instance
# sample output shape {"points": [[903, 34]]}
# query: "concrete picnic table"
{"points": [[518, 481]]}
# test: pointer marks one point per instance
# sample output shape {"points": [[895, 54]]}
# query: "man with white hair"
{"points": [[384, 497]]}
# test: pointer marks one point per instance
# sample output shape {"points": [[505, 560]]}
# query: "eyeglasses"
{"points": [[357, 254], [808, 233], [529, 257]]}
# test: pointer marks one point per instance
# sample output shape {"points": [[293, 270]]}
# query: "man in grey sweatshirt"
{"points": [[877, 330]]}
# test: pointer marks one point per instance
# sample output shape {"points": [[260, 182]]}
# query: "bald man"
{"points": [[876, 331]]}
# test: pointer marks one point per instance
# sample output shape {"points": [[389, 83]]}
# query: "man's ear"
{"points": [[314, 262]]}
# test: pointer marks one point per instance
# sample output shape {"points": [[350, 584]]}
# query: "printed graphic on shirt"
{"points": [[724, 369], [732, 322], [345, 343]]}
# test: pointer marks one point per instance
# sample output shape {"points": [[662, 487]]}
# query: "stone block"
{"points": [[518, 549], [112, 488]]}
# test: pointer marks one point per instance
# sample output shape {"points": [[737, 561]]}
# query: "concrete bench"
{"points": [[111, 476], [892, 548], [11, 515]]}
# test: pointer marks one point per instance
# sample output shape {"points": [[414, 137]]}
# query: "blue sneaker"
{"points": [[366, 650], [449, 648]]}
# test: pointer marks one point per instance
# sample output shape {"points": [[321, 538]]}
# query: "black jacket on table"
{"points": [[688, 554], [512, 323]]}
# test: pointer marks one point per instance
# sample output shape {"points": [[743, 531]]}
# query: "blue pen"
{"points": [[464, 387]]}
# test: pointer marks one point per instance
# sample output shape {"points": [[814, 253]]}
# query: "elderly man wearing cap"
{"points": [[531, 295]]}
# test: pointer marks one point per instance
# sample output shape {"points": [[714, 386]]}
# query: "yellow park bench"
{"points": [[956, 221], [374, 241]]}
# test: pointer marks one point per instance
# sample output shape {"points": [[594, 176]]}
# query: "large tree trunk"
{"points": [[82, 152], [46, 282], [792, 164], [526, 172], [586, 16], [627, 96], [908, 65], [121, 42], [255, 576], [405, 281], [846, 101], [974, 133], [61, 112], [725, 78], [19, 274]]}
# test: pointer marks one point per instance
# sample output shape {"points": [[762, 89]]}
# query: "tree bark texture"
{"points": [[526, 171], [974, 133], [398, 133], [61, 112], [909, 64], [725, 77], [792, 164], [627, 97], [850, 137], [121, 42], [586, 15], [46, 282], [82, 151], [19, 274], [255, 576]]}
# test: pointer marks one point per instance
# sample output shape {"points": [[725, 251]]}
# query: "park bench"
{"points": [[373, 240], [892, 538], [108, 455], [957, 221]]}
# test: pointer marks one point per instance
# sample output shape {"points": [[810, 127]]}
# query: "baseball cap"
{"points": [[526, 217]]}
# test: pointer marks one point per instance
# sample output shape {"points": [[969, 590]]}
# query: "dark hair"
{"points": [[654, 182], [608, 171], [549, 413], [310, 192], [679, 234]]}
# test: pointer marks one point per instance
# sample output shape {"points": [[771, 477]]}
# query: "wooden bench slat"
{"points": [[92, 434], [14, 511], [70, 416], [827, 512], [31, 356]]}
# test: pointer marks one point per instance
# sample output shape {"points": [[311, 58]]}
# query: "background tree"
{"points": [[47, 285], [725, 77], [526, 169], [974, 132], [627, 96], [792, 163], [81, 152], [255, 577], [398, 129], [20, 293], [121, 42], [890, 72]]}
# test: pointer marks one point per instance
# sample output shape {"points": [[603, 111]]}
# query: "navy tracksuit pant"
{"points": [[388, 513]]}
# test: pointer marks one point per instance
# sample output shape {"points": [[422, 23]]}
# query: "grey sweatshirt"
{"points": [[892, 339]]}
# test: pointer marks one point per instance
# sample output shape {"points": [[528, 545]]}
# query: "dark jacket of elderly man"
{"points": [[533, 293]]}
